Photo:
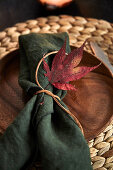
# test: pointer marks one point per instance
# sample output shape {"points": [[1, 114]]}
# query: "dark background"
{"points": [[14, 11]]}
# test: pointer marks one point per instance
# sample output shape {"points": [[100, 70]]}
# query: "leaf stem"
{"points": [[47, 85]]}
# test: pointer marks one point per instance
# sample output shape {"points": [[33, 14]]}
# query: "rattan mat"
{"points": [[79, 29]]}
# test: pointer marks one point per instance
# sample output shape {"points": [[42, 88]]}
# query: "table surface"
{"points": [[14, 11], [79, 29]]}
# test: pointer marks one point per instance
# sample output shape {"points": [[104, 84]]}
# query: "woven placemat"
{"points": [[79, 29]]}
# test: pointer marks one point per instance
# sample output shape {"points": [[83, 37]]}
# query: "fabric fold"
{"points": [[42, 129]]}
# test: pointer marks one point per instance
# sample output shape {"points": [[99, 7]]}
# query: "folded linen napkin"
{"points": [[42, 129]]}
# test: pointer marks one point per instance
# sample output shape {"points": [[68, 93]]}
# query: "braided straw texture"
{"points": [[79, 29]]}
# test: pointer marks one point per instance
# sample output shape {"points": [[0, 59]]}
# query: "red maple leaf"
{"points": [[65, 68]]}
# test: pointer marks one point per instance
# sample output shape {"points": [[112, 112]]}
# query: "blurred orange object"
{"points": [[57, 3]]}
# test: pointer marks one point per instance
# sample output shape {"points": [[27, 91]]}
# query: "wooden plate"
{"points": [[91, 103], [12, 99]]}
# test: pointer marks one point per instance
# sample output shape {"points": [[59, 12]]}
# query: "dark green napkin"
{"points": [[42, 131]]}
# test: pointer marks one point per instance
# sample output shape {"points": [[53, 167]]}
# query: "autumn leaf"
{"points": [[65, 68]]}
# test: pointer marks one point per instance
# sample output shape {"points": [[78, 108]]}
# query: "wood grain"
{"points": [[12, 98]]}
